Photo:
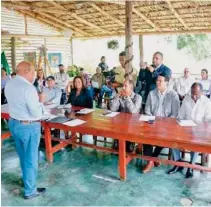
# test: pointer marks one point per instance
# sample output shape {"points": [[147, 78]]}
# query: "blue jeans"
{"points": [[177, 156], [27, 140], [106, 89]]}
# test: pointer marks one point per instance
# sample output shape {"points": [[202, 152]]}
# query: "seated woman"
{"points": [[79, 95]]}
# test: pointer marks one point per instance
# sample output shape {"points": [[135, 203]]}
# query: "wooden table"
{"points": [[164, 132]]}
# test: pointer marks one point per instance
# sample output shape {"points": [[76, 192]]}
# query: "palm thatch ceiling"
{"points": [[107, 18]]}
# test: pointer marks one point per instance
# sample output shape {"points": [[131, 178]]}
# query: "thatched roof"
{"points": [[107, 18]]}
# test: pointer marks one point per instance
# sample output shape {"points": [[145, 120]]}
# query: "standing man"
{"points": [[196, 107], [141, 82], [154, 70], [103, 65], [62, 80], [184, 83], [163, 103], [26, 110]]}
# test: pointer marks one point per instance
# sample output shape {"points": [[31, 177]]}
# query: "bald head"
{"points": [[26, 70]]}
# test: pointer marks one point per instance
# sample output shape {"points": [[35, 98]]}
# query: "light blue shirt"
{"points": [[52, 95], [23, 100]]}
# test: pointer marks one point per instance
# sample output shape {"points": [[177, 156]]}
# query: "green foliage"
{"points": [[73, 71], [113, 44], [199, 45]]}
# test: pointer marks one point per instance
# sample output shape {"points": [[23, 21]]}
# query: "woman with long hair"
{"points": [[79, 95], [40, 81]]}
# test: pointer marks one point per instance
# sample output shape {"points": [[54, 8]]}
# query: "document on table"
{"points": [[66, 106], [5, 108], [146, 118], [85, 111], [95, 84], [110, 114], [186, 123], [75, 122]]}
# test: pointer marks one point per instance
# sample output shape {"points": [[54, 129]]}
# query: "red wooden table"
{"points": [[164, 132], [126, 127]]}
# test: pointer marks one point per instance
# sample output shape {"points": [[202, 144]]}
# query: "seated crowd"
{"points": [[152, 92]]}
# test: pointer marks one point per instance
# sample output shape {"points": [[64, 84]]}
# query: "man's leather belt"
{"points": [[26, 122]]}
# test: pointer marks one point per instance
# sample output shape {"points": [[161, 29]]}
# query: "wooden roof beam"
{"points": [[40, 19], [77, 17], [56, 20], [176, 14], [106, 14], [194, 31], [64, 23], [148, 21]]}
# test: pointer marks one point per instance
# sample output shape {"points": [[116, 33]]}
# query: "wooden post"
{"points": [[26, 25], [141, 47], [71, 45], [128, 36], [13, 53], [45, 60]]}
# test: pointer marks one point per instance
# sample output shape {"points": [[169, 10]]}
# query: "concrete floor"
{"points": [[89, 177]]}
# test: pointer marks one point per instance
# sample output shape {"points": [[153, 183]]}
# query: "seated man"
{"points": [[97, 81], [164, 103], [184, 83], [52, 93], [196, 107], [205, 82], [126, 100], [129, 102]]}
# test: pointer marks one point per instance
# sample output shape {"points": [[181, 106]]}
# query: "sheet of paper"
{"points": [[186, 123], [75, 122], [146, 118], [85, 111], [112, 114], [5, 108], [66, 106], [95, 84]]}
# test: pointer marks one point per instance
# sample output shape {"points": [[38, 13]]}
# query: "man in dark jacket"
{"points": [[151, 73]]}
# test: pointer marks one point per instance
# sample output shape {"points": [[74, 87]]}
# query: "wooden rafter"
{"points": [[64, 23], [148, 21], [106, 14], [77, 17], [176, 14], [56, 21], [44, 21]]}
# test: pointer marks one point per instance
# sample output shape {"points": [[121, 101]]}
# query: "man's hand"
{"points": [[41, 97], [123, 93], [143, 65], [150, 68]]}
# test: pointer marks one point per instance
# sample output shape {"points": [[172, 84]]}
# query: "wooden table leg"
{"points": [[122, 160], [95, 140], [48, 144]]}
